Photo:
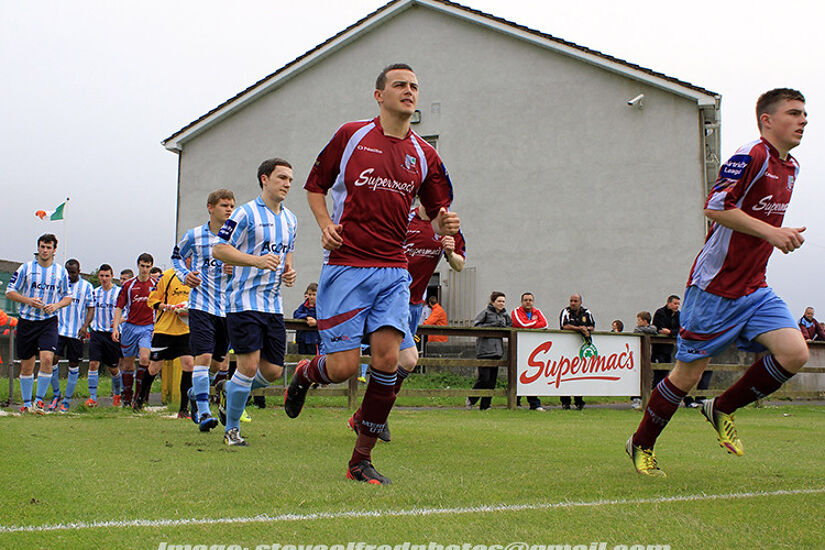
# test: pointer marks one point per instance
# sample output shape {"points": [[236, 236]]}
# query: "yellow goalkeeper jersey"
{"points": [[169, 290]]}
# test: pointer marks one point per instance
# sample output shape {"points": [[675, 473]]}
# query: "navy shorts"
{"points": [[34, 336], [103, 349], [167, 347], [208, 334], [70, 348], [250, 331]]}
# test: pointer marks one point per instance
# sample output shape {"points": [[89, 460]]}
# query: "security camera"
{"points": [[638, 101]]}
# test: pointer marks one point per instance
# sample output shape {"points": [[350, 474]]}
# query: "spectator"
{"points": [[579, 319], [437, 317], [527, 316], [617, 326], [666, 321], [494, 315], [810, 327], [7, 323], [308, 340], [643, 325]]}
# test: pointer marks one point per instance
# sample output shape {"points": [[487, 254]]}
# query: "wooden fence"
{"points": [[353, 393]]}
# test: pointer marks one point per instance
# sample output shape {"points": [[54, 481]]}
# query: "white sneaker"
{"points": [[636, 403], [539, 409]]}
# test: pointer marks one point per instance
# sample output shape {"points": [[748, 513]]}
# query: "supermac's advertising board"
{"points": [[564, 364]]}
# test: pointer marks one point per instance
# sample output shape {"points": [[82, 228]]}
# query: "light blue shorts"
{"points": [[134, 337], [356, 301], [412, 325], [710, 323]]}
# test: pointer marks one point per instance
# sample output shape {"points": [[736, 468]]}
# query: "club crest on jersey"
{"points": [[735, 167], [409, 162], [227, 229]]}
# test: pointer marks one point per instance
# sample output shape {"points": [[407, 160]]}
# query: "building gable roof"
{"points": [[704, 98]]}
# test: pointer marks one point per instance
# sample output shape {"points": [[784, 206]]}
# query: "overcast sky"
{"points": [[89, 89]]}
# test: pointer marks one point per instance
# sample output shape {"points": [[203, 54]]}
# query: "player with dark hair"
{"points": [[42, 287], [136, 336], [102, 348], [73, 325], [208, 277], [373, 169], [259, 240], [728, 299]]}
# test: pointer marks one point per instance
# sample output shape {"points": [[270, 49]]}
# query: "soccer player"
{"points": [[102, 347], [208, 278], [170, 337], [42, 287], [72, 327], [135, 337], [423, 249], [727, 297], [374, 169], [259, 240]]}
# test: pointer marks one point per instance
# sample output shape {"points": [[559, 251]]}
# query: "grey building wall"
{"points": [[561, 187]]}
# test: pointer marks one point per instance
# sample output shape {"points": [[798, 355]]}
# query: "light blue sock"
{"points": [[117, 383], [200, 389], [26, 387], [93, 380], [364, 370], [74, 372], [43, 382], [237, 392], [259, 381], [55, 381]]}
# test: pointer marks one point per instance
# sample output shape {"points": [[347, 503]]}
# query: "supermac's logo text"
{"points": [[541, 364]]}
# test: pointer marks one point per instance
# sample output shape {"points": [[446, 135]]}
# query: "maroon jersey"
{"points": [[373, 179], [423, 250], [757, 181], [133, 295]]}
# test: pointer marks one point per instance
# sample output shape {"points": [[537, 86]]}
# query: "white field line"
{"points": [[265, 518]]}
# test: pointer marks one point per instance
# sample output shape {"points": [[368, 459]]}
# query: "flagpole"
{"points": [[65, 231]]}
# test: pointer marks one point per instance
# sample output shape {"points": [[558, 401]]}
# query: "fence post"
{"points": [[512, 370], [646, 378]]}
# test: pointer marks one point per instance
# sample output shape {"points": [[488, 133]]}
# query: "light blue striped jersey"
{"points": [[49, 284], [255, 229], [105, 303], [72, 317], [197, 244]]}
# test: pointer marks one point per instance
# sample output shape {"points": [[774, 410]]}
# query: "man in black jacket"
{"points": [[578, 318]]}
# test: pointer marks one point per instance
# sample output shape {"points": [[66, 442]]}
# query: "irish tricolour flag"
{"points": [[52, 215]]}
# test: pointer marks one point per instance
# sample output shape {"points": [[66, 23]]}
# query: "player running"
{"points": [[42, 287], [72, 328], [208, 278], [259, 240], [727, 297], [102, 347], [374, 169], [135, 337]]}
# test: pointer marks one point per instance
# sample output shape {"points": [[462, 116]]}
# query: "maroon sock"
{"points": [[664, 400], [315, 372], [763, 378], [402, 375], [141, 371], [128, 379], [375, 408]]}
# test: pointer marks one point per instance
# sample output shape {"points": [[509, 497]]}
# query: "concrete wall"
{"points": [[560, 185]]}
